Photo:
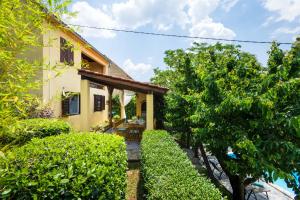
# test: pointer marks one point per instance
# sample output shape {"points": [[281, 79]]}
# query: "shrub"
{"points": [[168, 173], [23, 131], [73, 166]]}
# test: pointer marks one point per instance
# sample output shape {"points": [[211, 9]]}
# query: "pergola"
{"points": [[112, 82]]}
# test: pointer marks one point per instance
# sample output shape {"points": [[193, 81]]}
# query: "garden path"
{"points": [[133, 150]]}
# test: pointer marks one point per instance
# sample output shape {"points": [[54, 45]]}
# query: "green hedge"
{"points": [[23, 131], [73, 166], [168, 173]]}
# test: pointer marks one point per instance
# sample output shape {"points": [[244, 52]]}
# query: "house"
{"points": [[81, 94]]}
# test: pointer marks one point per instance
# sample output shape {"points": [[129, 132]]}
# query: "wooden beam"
{"points": [[121, 83], [110, 92]]}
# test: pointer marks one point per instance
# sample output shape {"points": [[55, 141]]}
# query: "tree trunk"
{"points": [[237, 183], [207, 165], [196, 153], [238, 187]]}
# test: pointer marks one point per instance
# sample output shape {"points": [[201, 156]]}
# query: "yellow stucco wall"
{"points": [[68, 77]]}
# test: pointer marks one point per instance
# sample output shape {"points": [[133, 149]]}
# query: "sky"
{"points": [[138, 55]]}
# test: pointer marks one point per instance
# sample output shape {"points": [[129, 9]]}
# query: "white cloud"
{"points": [[228, 4], [200, 9], [285, 30], [190, 15], [159, 13], [285, 10], [135, 69], [90, 16], [202, 24], [209, 28]]}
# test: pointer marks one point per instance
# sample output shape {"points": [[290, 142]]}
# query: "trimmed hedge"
{"points": [[168, 173], [25, 130], [67, 166]]}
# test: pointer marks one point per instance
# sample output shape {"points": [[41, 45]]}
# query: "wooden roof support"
{"points": [[110, 92], [121, 83]]}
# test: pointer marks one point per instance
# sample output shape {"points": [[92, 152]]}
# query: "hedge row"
{"points": [[168, 173], [67, 166], [23, 131]]}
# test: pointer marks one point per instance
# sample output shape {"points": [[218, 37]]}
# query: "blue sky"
{"points": [[231, 19]]}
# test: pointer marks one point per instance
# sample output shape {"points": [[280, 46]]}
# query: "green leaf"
{"points": [[64, 181], [6, 192]]}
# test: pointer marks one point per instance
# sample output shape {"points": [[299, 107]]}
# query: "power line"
{"points": [[178, 36]]}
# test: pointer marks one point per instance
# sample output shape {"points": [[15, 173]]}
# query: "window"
{"points": [[99, 103], [66, 52], [71, 105]]}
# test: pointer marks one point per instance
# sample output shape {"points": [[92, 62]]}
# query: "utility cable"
{"points": [[179, 36]]}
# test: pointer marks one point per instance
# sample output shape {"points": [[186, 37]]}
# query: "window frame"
{"points": [[66, 52], [66, 104], [101, 99], [77, 104]]}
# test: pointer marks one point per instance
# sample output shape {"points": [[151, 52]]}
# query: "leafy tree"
{"points": [[227, 99], [131, 108], [21, 24], [116, 106]]}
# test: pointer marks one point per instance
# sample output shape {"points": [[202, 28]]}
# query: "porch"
{"points": [[146, 95]]}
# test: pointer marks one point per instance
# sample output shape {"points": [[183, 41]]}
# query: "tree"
{"points": [[131, 108], [230, 100], [116, 106], [21, 23]]}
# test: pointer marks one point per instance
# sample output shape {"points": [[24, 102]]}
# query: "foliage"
{"points": [[176, 108], [73, 166], [168, 173], [21, 25], [227, 99], [24, 130], [116, 106], [116, 118], [131, 108]]}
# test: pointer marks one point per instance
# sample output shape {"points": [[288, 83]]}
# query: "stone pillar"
{"points": [[84, 105], [122, 105], [150, 110]]}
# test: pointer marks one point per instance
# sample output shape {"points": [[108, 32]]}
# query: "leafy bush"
{"points": [[23, 131], [168, 173], [67, 166]]}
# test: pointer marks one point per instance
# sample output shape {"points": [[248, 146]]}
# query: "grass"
{"points": [[134, 182]]}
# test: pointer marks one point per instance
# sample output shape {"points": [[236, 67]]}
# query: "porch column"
{"points": [[149, 111], [84, 105], [138, 111], [122, 105], [110, 92]]}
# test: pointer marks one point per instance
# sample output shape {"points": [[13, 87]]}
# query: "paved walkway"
{"points": [[133, 150], [274, 194]]}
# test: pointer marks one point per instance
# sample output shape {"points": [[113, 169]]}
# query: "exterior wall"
{"points": [[35, 55], [68, 80]]}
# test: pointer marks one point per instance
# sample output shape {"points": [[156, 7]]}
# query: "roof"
{"points": [[121, 83], [53, 17], [115, 70]]}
